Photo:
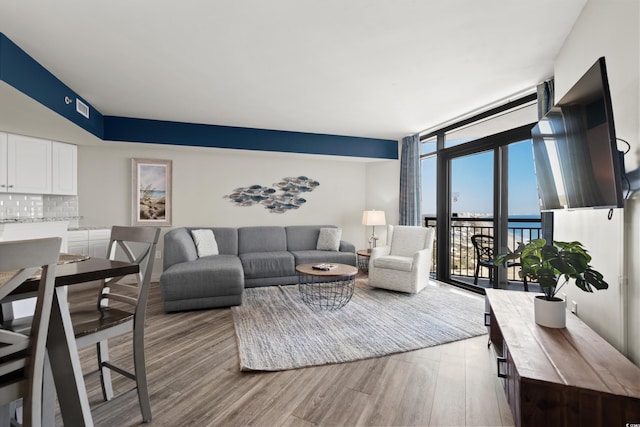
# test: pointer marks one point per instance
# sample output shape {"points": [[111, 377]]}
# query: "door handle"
{"points": [[487, 319], [501, 361]]}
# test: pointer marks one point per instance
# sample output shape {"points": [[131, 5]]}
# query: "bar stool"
{"points": [[95, 325], [22, 355]]}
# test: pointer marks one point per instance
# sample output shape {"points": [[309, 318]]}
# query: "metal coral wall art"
{"points": [[286, 195]]}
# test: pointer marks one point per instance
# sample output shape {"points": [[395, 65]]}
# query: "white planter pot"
{"points": [[552, 314]]}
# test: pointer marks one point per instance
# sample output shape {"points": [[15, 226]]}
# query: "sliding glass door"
{"points": [[471, 208], [485, 187]]}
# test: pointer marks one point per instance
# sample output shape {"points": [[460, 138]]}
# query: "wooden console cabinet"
{"points": [[559, 377]]}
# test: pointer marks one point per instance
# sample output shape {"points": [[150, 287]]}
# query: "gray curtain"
{"points": [[545, 97], [410, 181], [545, 103]]}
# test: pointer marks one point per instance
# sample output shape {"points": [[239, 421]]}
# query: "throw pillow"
{"points": [[205, 242], [329, 239]]}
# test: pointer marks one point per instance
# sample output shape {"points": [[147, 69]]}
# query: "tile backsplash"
{"points": [[28, 206]]}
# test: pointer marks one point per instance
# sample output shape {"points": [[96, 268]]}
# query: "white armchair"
{"points": [[405, 262]]}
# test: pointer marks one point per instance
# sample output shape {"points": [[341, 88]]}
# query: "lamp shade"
{"points": [[373, 218]]}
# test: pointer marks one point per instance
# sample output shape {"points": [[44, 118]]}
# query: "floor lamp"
{"points": [[373, 218]]}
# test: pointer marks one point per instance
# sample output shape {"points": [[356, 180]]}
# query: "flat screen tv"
{"points": [[576, 158]]}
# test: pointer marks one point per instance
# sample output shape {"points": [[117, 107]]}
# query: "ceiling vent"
{"points": [[82, 108]]}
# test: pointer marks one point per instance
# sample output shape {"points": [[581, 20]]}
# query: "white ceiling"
{"points": [[369, 68]]}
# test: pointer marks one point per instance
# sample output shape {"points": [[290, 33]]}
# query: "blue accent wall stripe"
{"points": [[178, 133], [21, 71]]}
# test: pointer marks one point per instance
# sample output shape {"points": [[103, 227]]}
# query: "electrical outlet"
{"points": [[158, 254], [574, 307]]}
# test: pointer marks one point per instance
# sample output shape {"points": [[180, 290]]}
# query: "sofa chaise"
{"points": [[213, 271]]}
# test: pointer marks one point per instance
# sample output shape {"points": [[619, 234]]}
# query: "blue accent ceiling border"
{"points": [[201, 135], [21, 71]]}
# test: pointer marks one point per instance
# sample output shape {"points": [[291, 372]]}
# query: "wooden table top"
{"points": [[340, 270], [575, 355], [84, 271]]}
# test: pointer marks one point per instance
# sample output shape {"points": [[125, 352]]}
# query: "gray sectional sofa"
{"points": [[246, 257]]}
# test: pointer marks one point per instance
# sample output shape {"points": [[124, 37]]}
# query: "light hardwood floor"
{"points": [[194, 380]]}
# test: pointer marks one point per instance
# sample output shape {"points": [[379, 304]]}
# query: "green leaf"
{"points": [[595, 279], [548, 263]]}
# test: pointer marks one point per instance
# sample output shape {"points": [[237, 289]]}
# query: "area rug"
{"points": [[277, 331]]}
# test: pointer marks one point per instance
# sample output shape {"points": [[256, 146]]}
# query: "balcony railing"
{"points": [[463, 255]]}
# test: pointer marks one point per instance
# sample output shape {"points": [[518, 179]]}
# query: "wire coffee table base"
{"points": [[326, 290]]}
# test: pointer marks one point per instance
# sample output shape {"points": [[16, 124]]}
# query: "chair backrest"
{"points": [[22, 356], [407, 240], [484, 247], [135, 245]]}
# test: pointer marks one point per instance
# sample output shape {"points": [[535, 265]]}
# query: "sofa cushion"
{"points": [[261, 239], [205, 277], [329, 239], [205, 241], [315, 256], [267, 264], [227, 239], [394, 262], [303, 237]]}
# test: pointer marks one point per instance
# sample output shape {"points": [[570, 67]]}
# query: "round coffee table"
{"points": [[326, 289]]}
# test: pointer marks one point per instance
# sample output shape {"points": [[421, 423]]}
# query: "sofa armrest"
{"points": [[178, 247], [346, 246]]}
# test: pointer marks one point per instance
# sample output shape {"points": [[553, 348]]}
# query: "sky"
{"points": [[154, 175], [472, 183]]}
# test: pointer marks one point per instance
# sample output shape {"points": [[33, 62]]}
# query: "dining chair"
{"points": [[120, 309], [22, 355]]}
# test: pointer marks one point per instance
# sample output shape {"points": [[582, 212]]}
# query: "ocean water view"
{"points": [[524, 221]]}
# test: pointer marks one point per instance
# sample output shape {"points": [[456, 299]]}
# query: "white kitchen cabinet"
{"points": [[64, 168], [99, 242], [37, 166], [78, 242], [92, 242], [28, 165]]}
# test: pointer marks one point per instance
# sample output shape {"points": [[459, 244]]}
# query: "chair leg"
{"points": [[475, 277], [141, 376], [102, 348], [48, 393], [526, 285]]}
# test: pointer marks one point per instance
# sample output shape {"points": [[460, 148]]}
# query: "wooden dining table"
{"points": [[61, 342]]}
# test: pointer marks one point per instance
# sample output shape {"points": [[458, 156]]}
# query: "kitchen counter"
{"points": [[98, 227], [35, 220]]}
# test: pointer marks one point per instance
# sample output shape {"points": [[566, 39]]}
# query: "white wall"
{"points": [[608, 28], [382, 193], [203, 176]]}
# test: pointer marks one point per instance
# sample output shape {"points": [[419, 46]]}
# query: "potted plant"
{"points": [[552, 265]]}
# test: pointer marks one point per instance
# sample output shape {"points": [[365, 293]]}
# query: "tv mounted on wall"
{"points": [[576, 158]]}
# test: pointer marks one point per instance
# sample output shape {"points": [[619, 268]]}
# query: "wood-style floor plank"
{"points": [[194, 380]]}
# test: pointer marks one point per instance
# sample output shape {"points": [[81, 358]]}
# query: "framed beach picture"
{"points": [[151, 192]]}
